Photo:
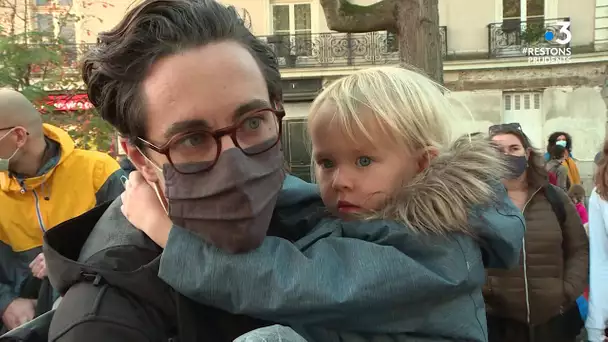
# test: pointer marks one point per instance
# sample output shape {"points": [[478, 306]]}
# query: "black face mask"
{"points": [[517, 165]]}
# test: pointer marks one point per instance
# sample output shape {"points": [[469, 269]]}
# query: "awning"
{"points": [[68, 103]]}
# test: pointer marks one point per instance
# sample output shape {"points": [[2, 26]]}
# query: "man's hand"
{"points": [[142, 207], [18, 312], [38, 267]]}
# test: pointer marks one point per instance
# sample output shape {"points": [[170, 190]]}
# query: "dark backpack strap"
{"points": [[556, 204], [186, 320], [45, 298], [187, 325]]}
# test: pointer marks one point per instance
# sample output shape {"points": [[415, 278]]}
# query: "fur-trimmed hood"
{"points": [[440, 199]]}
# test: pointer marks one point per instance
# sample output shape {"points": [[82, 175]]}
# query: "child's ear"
{"points": [[426, 156]]}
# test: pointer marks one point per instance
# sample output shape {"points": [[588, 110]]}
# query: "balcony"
{"points": [[510, 37], [333, 49]]}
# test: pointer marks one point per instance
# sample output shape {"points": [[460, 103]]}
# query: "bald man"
{"points": [[44, 181]]}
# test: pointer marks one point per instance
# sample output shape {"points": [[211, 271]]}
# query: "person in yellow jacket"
{"points": [[44, 181]]}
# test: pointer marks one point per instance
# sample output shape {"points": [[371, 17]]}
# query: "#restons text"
{"points": [[547, 55]]}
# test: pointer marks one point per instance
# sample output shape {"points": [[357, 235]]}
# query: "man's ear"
{"points": [[141, 163], [21, 136], [123, 143]]}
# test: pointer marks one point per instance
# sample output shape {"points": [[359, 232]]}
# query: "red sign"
{"points": [[68, 103]]}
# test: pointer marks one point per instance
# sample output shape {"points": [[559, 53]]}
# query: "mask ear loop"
{"points": [[159, 193], [161, 198], [18, 148]]}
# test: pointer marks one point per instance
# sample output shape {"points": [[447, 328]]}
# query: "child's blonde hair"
{"points": [[389, 92], [414, 111]]}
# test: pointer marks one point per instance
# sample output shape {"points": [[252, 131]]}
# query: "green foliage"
{"points": [[533, 33], [39, 64]]}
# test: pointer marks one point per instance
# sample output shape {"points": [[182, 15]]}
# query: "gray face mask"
{"points": [[4, 163], [231, 205]]}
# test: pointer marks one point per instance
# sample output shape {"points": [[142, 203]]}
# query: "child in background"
{"points": [[577, 195]]}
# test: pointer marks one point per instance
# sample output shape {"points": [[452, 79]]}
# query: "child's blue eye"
{"points": [[326, 163], [364, 161]]}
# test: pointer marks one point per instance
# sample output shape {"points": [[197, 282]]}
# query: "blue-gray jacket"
{"points": [[354, 281]]}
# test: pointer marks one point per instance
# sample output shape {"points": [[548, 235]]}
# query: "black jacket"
{"points": [[107, 272]]}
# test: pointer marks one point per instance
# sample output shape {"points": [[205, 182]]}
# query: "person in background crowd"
{"points": [[556, 169], [126, 165], [577, 195], [597, 319], [382, 150], [536, 302], [564, 139], [44, 180]]}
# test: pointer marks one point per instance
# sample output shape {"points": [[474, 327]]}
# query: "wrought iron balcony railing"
{"points": [[309, 50], [314, 50], [510, 37]]}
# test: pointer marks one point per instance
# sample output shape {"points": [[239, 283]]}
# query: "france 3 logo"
{"points": [[559, 33]]}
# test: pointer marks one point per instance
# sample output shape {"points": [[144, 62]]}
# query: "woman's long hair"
{"points": [[601, 174]]}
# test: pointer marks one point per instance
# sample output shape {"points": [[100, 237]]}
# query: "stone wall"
{"points": [[571, 75], [571, 101]]}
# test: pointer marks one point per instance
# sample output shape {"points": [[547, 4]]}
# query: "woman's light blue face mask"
{"points": [[562, 143]]}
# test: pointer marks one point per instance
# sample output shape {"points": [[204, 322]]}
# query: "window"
{"points": [[537, 101], [522, 101], [294, 22], [65, 31], [295, 148], [67, 35], [45, 23], [523, 10]]}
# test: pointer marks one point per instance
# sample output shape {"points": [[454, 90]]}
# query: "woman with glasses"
{"points": [[536, 301]]}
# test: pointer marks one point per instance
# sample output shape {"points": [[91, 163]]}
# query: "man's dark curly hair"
{"points": [[553, 139], [114, 70]]}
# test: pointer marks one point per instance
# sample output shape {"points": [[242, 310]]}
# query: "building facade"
{"points": [[490, 75], [485, 65]]}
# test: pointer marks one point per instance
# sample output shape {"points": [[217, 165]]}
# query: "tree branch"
{"points": [[342, 16]]}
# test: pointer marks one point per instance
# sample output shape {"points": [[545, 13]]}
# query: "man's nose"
{"points": [[342, 180], [227, 143]]}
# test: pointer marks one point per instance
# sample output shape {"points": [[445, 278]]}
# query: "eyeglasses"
{"points": [[510, 127], [198, 151]]}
